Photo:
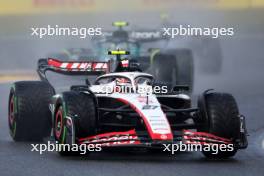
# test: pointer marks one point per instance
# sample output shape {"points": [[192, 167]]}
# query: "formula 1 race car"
{"points": [[91, 114]]}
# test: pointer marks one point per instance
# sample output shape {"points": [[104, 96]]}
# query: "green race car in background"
{"points": [[148, 48]]}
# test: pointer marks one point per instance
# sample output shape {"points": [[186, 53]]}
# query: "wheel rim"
{"points": [[11, 115], [58, 124]]}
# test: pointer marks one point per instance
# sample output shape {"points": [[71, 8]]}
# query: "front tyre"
{"points": [[162, 68], [223, 120], [81, 109]]}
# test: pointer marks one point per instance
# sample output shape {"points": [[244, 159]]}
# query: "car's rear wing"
{"points": [[143, 36], [72, 67], [146, 35]]}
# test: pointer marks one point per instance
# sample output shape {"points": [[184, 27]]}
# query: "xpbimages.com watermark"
{"points": [[109, 89], [56, 30], [50, 147], [182, 147], [188, 30], [172, 32]]}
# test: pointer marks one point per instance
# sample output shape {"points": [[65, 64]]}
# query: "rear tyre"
{"points": [[81, 108], [29, 117], [162, 68], [223, 120], [184, 68]]}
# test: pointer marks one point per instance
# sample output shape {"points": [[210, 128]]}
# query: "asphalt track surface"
{"points": [[242, 76]]}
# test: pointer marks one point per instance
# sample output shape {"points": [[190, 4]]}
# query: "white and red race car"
{"points": [[125, 108]]}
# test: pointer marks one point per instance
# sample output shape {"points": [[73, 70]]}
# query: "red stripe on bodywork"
{"points": [[192, 137], [69, 66], [111, 134], [112, 139], [204, 134], [54, 63]]}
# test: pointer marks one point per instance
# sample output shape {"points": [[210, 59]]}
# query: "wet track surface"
{"points": [[242, 76]]}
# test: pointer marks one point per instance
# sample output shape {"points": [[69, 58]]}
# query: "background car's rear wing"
{"points": [[134, 35], [144, 35], [147, 35], [72, 67]]}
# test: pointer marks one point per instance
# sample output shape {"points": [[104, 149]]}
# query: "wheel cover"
{"points": [[11, 115], [58, 124]]}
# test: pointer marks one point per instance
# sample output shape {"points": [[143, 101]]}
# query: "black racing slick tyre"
{"points": [[82, 110], [184, 67], [223, 120], [162, 68], [29, 117]]}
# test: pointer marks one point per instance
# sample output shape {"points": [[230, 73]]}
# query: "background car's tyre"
{"points": [[29, 117], [184, 68], [223, 120], [81, 108], [143, 61], [162, 68]]}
